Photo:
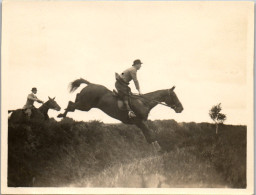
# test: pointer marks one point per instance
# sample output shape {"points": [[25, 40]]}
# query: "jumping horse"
{"points": [[98, 96], [41, 113]]}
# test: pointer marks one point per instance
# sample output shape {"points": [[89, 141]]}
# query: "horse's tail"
{"points": [[75, 84]]}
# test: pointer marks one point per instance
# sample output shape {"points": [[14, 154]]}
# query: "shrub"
{"points": [[57, 153]]}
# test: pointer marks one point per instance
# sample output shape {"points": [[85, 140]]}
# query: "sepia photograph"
{"points": [[127, 97]]}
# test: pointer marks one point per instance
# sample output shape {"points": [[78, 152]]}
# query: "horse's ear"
{"points": [[173, 88], [49, 98], [53, 98]]}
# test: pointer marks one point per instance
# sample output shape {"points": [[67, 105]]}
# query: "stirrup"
{"points": [[131, 114]]}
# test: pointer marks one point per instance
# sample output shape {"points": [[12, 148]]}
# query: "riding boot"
{"points": [[131, 114]]}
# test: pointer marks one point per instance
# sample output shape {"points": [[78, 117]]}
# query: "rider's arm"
{"points": [[33, 97], [134, 78], [40, 101]]}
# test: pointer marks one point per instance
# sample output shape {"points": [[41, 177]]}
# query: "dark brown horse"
{"points": [[98, 96], [19, 116]]}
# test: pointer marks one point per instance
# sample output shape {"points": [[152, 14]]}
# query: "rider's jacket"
{"points": [[131, 74], [30, 101]]}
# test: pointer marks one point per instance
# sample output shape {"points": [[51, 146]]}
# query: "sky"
{"points": [[202, 48]]}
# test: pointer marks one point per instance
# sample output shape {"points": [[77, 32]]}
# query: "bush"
{"points": [[57, 153]]}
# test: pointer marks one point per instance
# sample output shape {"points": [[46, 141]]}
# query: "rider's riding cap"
{"points": [[137, 62], [34, 89]]}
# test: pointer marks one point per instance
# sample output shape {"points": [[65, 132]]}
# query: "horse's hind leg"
{"points": [[71, 108]]}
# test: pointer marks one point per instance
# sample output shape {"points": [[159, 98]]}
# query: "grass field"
{"points": [[94, 154]]}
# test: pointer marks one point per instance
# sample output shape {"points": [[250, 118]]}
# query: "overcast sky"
{"points": [[200, 47]]}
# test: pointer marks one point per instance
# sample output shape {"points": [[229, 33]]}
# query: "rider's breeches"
{"points": [[28, 112], [123, 89]]}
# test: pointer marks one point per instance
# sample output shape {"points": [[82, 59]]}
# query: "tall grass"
{"points": [[94, 154]]}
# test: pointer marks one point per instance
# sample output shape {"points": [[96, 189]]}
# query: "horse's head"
{"points": [[52, 104], [173, 101]]}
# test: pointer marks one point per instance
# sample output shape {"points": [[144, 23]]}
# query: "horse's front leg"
{"points": [[149, 135], [70, 108]]}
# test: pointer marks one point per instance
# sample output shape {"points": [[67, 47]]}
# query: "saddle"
{"points": [[120, 102]]}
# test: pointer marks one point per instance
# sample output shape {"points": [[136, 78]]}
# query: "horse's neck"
{"points": [[44, 108], [157, 96]]}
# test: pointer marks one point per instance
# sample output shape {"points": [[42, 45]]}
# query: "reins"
{"points": [[137, 95]]}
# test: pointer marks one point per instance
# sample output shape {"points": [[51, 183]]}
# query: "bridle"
{"points": [[164, 104], [171, 106], [46, 105]]}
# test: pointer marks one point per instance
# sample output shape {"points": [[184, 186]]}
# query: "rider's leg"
{"points": [[123, 91], [126, 102], [28, 113], [131, 114]]}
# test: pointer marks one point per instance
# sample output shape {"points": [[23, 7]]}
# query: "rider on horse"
{"points": [[122, 82], [30, 102]]}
